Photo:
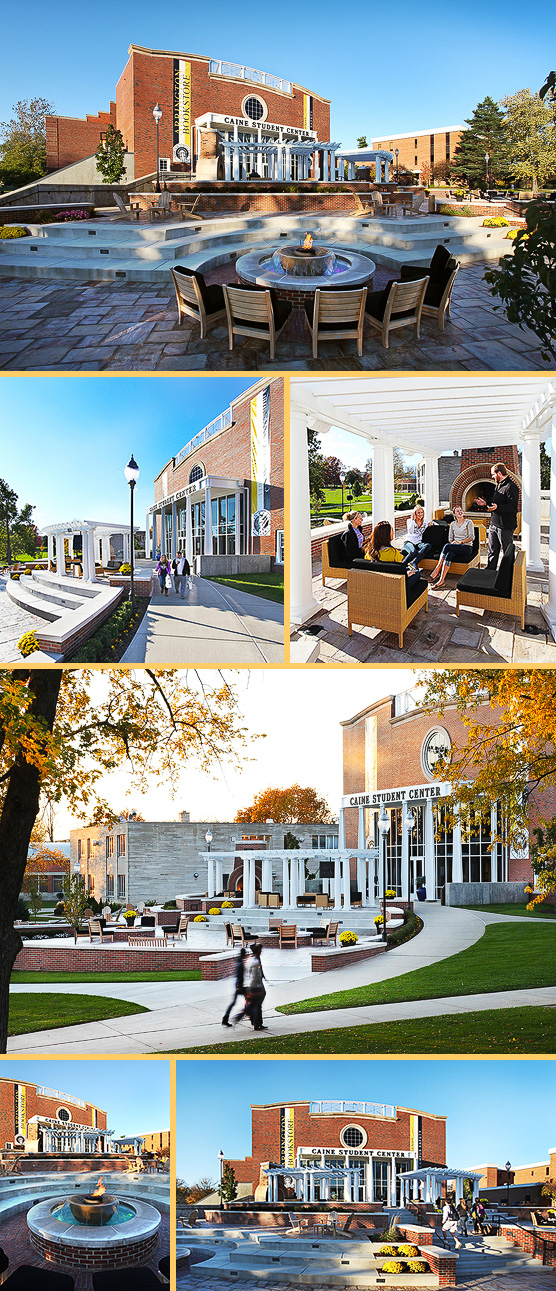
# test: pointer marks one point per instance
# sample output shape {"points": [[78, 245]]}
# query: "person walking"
{"points": [[181, 570], [459, 546], [478, 1214], [254, 990], [503, 513], [450, 1223], [239, 988], [164, 575], [463, 1216]]}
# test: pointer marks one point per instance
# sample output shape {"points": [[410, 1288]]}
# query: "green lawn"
{"points": [[499, 1031], [331, 506], [520, 911], [187, 975], [44, 1012], [508, 957], [271, 586]]}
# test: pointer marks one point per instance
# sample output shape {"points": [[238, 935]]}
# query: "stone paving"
{"points": [[110, 325], [543, 1280], [14, 1241], [439, 636], [13, 623]]}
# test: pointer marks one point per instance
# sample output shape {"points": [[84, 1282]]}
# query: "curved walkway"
{"points": [[212, 625]]}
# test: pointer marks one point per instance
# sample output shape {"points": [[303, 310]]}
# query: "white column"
{"points": [[85, 555], [360, 828], [531, 501], [50, 547], [285, 883], [287, 163], [174, 531], [259, 154], [210, 877], [235, 156], [386, 170], [457, 860], [303, 603], [294, 880], [493, 845], [60, 557], [219, 877], [91, 542], [380, 501], [238, 529], [347, 1187], [266, 875], [162, 532], [188, 531], [388, 467], [337, 882], [347, 883], [208, 522], [393, 1182], [148, 536], [549, 610], [351, 170], [431, 486], [430, 868], [227, 163], [378, 170], [406, 834], [245, 868], [252, 890], [342, 829]]}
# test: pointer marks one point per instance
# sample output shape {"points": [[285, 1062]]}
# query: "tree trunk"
{"points": [[8, 542], [19, 811]]}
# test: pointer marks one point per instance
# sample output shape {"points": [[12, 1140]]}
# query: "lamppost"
{"points": [[208, 838], [384, 830], [409, 826], [221, 1160], [131, 472], [397, 152], [342, 482], [508, 1168], [487, 159], [157, 114]]}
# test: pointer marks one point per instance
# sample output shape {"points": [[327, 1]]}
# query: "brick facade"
{"points": [[424, 148], [37, 1104], [147, 78]]}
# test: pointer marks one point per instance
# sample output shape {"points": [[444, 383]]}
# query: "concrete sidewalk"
{"points": [[212, 625]]}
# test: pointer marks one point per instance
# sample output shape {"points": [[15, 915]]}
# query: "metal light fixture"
{"points": [[384, 830], [221, 1160], [157, 114], [508, 1168], [397, 152], [208, 838], [342, 482], [131, 472], [487, 159]]}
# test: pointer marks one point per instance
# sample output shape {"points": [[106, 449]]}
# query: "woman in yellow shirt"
{"points": [[379, 547]]}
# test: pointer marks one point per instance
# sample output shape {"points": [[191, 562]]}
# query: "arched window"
{"points": [[196, 473]]}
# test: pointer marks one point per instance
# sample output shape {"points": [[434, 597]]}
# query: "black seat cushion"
{"points": [[337, 554], [30, 1278], [164, 1266], [436, 288], [414, 591], [4, 1261], [480, 582], [376, 305], [435, 270], [436, 535], [148, 921], [383, 566], [504, 577], [212, 297], [141, 1279]]}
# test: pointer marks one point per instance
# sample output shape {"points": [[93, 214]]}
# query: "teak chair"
{"points": [[402, 306], [255, 313], [383, 600], [337, 316], [196, 300], [288, 934]]}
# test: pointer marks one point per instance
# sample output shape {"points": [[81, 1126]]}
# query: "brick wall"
{"points": [[69, 139], [325, 963], [528, 1240], [408, 151], [116, 1255], [39, 1105], [104, 959]]}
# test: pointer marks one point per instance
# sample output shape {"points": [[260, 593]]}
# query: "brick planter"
{"points": [[107, 959], [341, 958]]}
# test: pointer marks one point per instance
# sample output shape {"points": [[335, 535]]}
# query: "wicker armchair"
{"points": [[255, 313], [333, 558], [382, 598], [504, 590], [196, 300], [399, 305], [457, 567], [336, 316]]}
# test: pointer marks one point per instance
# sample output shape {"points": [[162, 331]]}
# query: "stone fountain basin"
{"points": [[90, 1210], [304, 263], [252, 268], [80, 1246]]}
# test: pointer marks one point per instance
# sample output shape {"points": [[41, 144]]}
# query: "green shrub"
{"points": [[412, 924], [348, 938], [496, 222], [13, 231], [99, 646], [465, 211], [22, 910], [168, 905], [526, 280], [27, 644]]}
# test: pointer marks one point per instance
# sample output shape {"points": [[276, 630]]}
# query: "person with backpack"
{"points": [[450, 1223], [239, 988]]}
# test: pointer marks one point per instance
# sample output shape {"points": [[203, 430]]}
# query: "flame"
{"points": [[308, 242], [99, 1190]]}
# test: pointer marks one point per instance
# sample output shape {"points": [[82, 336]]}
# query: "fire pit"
{"points": [[306, 260], [296, 272], [96, 1209], [93, 1230]]}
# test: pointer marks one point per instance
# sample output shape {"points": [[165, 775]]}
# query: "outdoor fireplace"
{"points": [[475, 479], [306, 259]]}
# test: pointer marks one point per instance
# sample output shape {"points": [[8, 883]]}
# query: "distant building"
{"points": [[418, 148], [523, 1184], [47, 867], [35, 1118], [156, 1141]]}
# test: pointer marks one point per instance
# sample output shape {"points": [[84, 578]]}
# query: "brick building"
{"points": [[138, 860], [422, 148], [157, 1141], [223, 493], [347, 1151], [35, 1118], [200, 98], [390, 752]]}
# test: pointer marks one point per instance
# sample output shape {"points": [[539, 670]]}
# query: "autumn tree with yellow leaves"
{"points": [[62, 730], [293, 806], [509, 754]]}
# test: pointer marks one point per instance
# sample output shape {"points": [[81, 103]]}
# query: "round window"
{"points": [[353, 1136], [63, 1114], [254, 109], [436, 747]]}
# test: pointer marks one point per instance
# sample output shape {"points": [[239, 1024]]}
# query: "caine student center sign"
{"points": [[394, 797]]}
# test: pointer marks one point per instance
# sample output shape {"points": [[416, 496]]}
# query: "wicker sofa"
{"points": [[437, 535], [334, 558], [380, 596], [503, 590]]}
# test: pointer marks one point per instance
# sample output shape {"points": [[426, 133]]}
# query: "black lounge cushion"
{"points": [[504, 577], [383, 566], [148, 921], [30, 1278], [141, 1279], [212, 297], [337, 554], [164, 1266], [376, 304], [436, 535], [436, 269], [414, 591], [491, 582], [4, 1261]]}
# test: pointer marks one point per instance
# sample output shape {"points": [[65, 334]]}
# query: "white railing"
{"points": [[219, 423], [220, 68], [360, 1109], [57, 1093]]}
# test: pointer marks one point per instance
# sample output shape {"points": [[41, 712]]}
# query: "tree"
{"points": [[509, 754], [332, 468], [442, 172], [400, 466], [316, 466], [486, 134], [110, 155], [23, 148], [425, 174], [76, 900], [291, 843], [17, 532], [196, 1191], [292, 806], [526, 280], [229, 1184], [530, 125], [35, 896], [545, 467], [362, 141], [129, 813], [41, 861], [58, 740]]}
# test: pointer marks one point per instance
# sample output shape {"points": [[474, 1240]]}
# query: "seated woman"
{"points": [[352, 537], [459, 546], [413, 544], [379, 547]]}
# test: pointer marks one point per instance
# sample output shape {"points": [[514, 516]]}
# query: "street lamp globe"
{"points": [[77, 868], [157, 113], [383, 822], [131, 472], [208, 838]]}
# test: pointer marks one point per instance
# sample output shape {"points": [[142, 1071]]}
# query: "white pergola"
{"points": [[279, 157], [424, 414], [303, 1179], [293, 873], [424, 1184], [376, 157], [95, 543]]}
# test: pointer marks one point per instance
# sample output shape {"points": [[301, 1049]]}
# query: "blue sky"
{"points": [[135, 1095], [494, 1109], [64, 441], [385, 69]]}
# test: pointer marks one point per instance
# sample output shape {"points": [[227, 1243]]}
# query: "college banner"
{"points": [[182, 111], [287, 1142], [260, 464], [20, 1110], [308, 111]]}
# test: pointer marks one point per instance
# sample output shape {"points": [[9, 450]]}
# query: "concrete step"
{"points": [[66, 599]]}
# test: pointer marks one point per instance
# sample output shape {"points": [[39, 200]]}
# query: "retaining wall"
{"points": [[110, 959], [486, 893]]}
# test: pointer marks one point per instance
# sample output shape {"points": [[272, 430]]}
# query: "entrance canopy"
{"points": [[428, 415], [425, 1184], [99, 539], [303, 1179], [376, 157]]}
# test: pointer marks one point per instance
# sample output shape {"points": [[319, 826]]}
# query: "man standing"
{"points": [[182, 571], [503, 513]]}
